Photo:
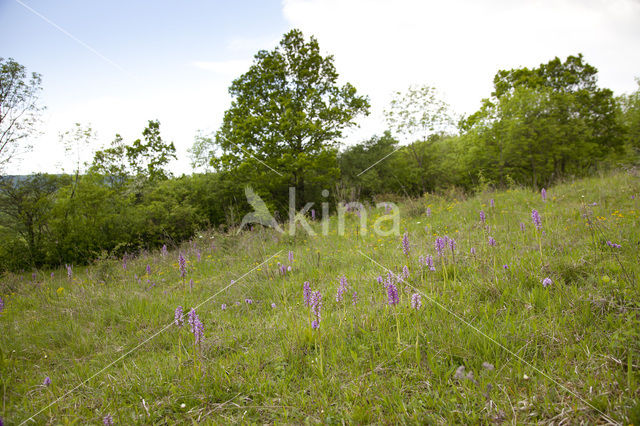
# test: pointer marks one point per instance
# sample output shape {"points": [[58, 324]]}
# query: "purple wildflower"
{"points": [[614, 245], [148, 269], [52, 275], [273, 305], [547, 282], [392, 294], [223, 306], [289, 268], [505, 266], [483, 217], [164, 249], [107, 420], [197, 328], [543, 194], [182, 263], [290, 256], [522, 226], [380, 279], [416, 301], [452, 244], [405, 244], [440, 244], [428, 211], [354, 297], [124, 262], [427, 261], [34, 276], [313, 214], [341, 288], [47, 381], [306, 293], [492, 242], [390, 279], [199, 255], [178, 316], [191, 283], [282, 269], [535, 216], [405, 272], [248, 301], [493, 203], [69, 271], [316, 306], [473, 251], [1, 304]]}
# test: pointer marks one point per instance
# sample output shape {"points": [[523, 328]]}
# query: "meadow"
{"points": [[505, 320]]}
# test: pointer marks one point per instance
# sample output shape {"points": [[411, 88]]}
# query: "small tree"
{"points": [[142, 159], [19, 111], [419, 114]]}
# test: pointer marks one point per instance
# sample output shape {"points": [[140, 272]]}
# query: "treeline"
{"points": [[538, 126]]}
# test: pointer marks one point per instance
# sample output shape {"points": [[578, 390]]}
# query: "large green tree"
{"points": [[287, 113], [543, 123]]}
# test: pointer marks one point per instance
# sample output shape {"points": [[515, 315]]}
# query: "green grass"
{"points": [[572, 349]]}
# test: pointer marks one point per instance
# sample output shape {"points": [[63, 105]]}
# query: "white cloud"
{"points": [[459, 45], [379, 46]]}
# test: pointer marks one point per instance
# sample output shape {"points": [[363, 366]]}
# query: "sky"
{"points": [[115, 65]]}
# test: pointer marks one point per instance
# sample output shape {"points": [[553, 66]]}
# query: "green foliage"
{"points": [[25, 213], [283, 129], [543, 123], [630, 117], [287, 114], [19, 111], [145, 160], [419, 113]]}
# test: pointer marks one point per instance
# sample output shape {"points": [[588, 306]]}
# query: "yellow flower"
{"points": [[60, 290]]}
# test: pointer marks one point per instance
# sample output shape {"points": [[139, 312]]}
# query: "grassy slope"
{"points": [[262, 364]]}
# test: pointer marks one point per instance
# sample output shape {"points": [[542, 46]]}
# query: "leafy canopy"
{"points": [[287, 104], [19, 111], [543, 123], [146, 159]]}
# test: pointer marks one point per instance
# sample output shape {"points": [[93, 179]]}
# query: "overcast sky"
{"points": [[117, 64]]}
